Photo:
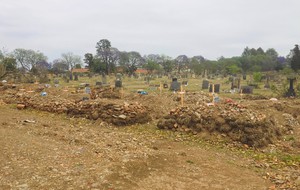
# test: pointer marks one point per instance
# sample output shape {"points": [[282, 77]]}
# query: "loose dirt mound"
{"points": [[233, 120], [117, 114]]}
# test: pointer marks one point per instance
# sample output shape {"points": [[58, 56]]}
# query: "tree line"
{"points": [[108, 59]]}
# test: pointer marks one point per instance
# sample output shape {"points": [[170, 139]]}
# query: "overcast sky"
{"points": [[211, 28]]}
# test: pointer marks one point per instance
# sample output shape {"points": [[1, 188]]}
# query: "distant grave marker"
{"points": [[216, 88], [235, 83], [247, 89], [87, 90], [205, 84], [118, 84], [175, 85], [75, 76], [104, 79], [291, 92]]}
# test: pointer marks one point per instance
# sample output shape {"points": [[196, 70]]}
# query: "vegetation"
{"points": [[108, 59]]}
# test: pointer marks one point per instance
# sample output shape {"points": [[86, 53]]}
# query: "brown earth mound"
{"points": [[117, 114], [233, 120]]}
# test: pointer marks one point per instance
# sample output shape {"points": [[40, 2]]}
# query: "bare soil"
{"points": [[41, 150], [55, 150]]}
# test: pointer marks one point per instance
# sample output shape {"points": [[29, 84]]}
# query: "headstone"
{"points": [[98, 83], [175, 85], [87, 90], [267, 85], [216, 88], [244, 77], [205, 84], [119, 76], [247, 89], [76, 77], [291, 92], [56, 81], [118, 83], [104, 79], [235, 83]]}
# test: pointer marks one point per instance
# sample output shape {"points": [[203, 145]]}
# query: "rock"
{"points": [[122, 116], [297, 181], [20, 106]]}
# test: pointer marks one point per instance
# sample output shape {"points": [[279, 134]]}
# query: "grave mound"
{"points": [[232, 120], [119, 114]]}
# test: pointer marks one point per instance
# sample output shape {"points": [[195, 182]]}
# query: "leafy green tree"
{"points": [[28, 59], [7, 65], [130, 61], [89, 60], [151, 66], [260, 51], [257, 76], [168, 66], [59, 66], [182, 62], [108, 55], [295, 58]]}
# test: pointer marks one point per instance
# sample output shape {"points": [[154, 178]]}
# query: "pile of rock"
{"points": [[231, 120], [105, 92], [117, 114]]}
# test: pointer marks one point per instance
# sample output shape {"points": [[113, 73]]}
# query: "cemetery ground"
{"points": [[60, 141]]}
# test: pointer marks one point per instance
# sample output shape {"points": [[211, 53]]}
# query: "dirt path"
{"points": [[47, 151]]}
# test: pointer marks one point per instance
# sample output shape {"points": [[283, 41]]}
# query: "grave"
{"points": [[247, 89], [87, 90], [205, 84], [244, 77], [175, 85], [118, 83], [98, 83], [235, 83], [291, 92], [267, 84], [75, 76], [104, 79], [216, 88]]}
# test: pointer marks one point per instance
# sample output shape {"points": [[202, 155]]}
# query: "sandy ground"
{"points": [[40, 150]]}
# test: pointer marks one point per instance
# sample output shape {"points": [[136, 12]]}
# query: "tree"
{"points": [[7, 65], [89, 60], [182, 61], [295, 58], [151, 66], [71, 60], [168, 66], [131, 60], [58, 66], [107, 54], [260, 51], [28, 59]]}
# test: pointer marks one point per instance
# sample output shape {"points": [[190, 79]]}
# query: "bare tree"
{"points": [[71, 60]]}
